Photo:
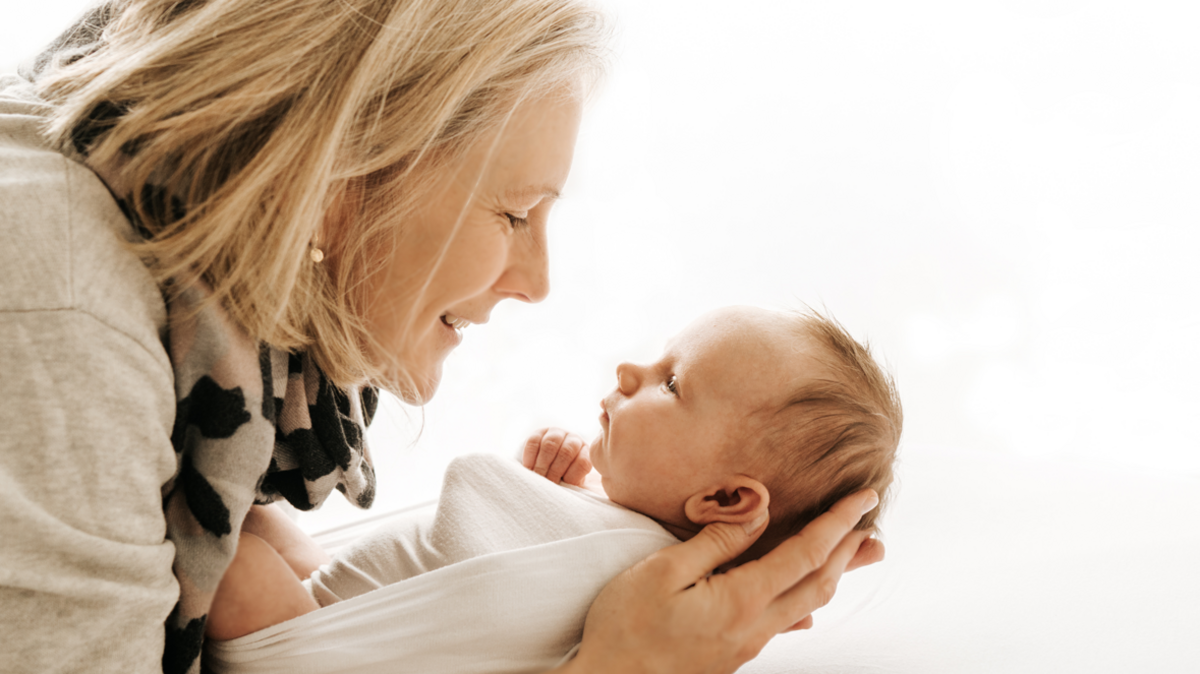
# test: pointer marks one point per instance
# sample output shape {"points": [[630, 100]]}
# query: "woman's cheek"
{"points": [[478, 258]]}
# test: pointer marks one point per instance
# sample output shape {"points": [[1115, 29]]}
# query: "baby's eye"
{"points": [[516, 222], [671, 385]]}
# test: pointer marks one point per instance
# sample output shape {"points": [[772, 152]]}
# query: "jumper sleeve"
{"points": [[86, 410]]}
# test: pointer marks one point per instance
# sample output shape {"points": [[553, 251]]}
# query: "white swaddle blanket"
{"points": [[498, 579]]}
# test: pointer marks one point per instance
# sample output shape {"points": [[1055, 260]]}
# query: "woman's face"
{"points": [[477, 236]]}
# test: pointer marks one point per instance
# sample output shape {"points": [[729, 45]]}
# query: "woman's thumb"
{"points": [[716, 544]]}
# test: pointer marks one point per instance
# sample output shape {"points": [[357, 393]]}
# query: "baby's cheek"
{"points": [[596, 454], [617, 494]]}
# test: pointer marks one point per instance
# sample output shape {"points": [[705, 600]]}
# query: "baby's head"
{"points": [[750, 410]]}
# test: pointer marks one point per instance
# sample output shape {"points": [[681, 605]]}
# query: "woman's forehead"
{"points": [[524, 161]]}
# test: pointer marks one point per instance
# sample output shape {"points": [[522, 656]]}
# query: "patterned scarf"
{"points": [[253, 424]]}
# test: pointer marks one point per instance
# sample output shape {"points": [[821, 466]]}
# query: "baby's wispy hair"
{"points": [[836, 433]]}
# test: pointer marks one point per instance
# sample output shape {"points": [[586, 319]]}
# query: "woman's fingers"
{"points": [[662, 615], [688, 562], [817, 588], [808, 550], [668, 614], [804, 624], [869, 552]]}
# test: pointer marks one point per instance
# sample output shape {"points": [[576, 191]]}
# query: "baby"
{"points": [[748, 413]]}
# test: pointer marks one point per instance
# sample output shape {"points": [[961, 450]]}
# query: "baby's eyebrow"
{"points": [[666, 368]]}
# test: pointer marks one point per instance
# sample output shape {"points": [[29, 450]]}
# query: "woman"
{"points": [[267, 209]]}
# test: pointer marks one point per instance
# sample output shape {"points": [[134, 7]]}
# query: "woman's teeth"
{"points": [[455, 322]]}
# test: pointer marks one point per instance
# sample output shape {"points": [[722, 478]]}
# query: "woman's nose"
{"points": [[527, 277], [628, 379]]}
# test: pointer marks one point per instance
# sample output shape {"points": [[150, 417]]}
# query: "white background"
{"points": [[1000, 196]]}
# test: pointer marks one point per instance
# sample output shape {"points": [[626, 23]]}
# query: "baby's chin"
{"points": [[594, 482], [597, 454]]}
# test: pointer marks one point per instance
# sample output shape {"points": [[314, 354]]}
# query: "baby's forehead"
{"points": [[748, 354], [744, 335]]}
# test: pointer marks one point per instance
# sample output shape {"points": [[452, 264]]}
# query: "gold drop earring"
{"points": [[315, 252]]}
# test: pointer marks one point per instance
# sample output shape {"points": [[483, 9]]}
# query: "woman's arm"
{"points": [[259, 589], [85, 573], [262, 586], [87, 404], [667, 615], [296, 548]]}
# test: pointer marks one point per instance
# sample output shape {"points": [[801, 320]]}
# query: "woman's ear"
{"points": [[737, 500]]}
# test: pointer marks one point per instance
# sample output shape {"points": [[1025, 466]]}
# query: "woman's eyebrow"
{"points": [[548, 192]]}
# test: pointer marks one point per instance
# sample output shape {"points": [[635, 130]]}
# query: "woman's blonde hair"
{"points": [[238, 126]]}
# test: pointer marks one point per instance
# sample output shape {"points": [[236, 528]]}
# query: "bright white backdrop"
{"points": [[1000, 196]]}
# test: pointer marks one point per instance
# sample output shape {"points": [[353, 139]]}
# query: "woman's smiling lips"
{"points": [[453, 327]]}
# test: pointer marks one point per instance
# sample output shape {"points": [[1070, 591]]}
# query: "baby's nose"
{"points": [[627, 379]]}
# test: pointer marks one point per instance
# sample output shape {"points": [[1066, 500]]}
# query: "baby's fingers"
{"points": [[532, 445], [568, 452], [579, 469], [551, 443]]}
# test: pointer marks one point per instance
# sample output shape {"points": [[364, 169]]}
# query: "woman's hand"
{"points": [[667, 615], [557, 455]]}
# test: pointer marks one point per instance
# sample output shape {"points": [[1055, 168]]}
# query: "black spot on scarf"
{"points": [[204, 501], [324, 448], [183, 645], [270, 404], [214, 411]]}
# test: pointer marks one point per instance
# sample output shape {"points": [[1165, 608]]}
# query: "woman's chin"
{"points": [[421, 388]]}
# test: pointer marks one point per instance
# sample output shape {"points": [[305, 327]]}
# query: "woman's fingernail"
{"points": [[751, 527], [870, 503]]}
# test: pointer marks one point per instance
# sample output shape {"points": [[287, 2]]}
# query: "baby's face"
{"points": [[673, 428]]}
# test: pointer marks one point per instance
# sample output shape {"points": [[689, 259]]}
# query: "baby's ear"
{"points": [[737, 500]]}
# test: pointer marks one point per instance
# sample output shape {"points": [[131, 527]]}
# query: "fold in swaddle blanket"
{"points": [[499, 579]]}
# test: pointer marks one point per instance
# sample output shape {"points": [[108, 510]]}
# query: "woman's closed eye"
{"points": [[517, 222]]}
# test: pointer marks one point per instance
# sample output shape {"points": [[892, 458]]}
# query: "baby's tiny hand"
{"points": [[557, 455]]}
